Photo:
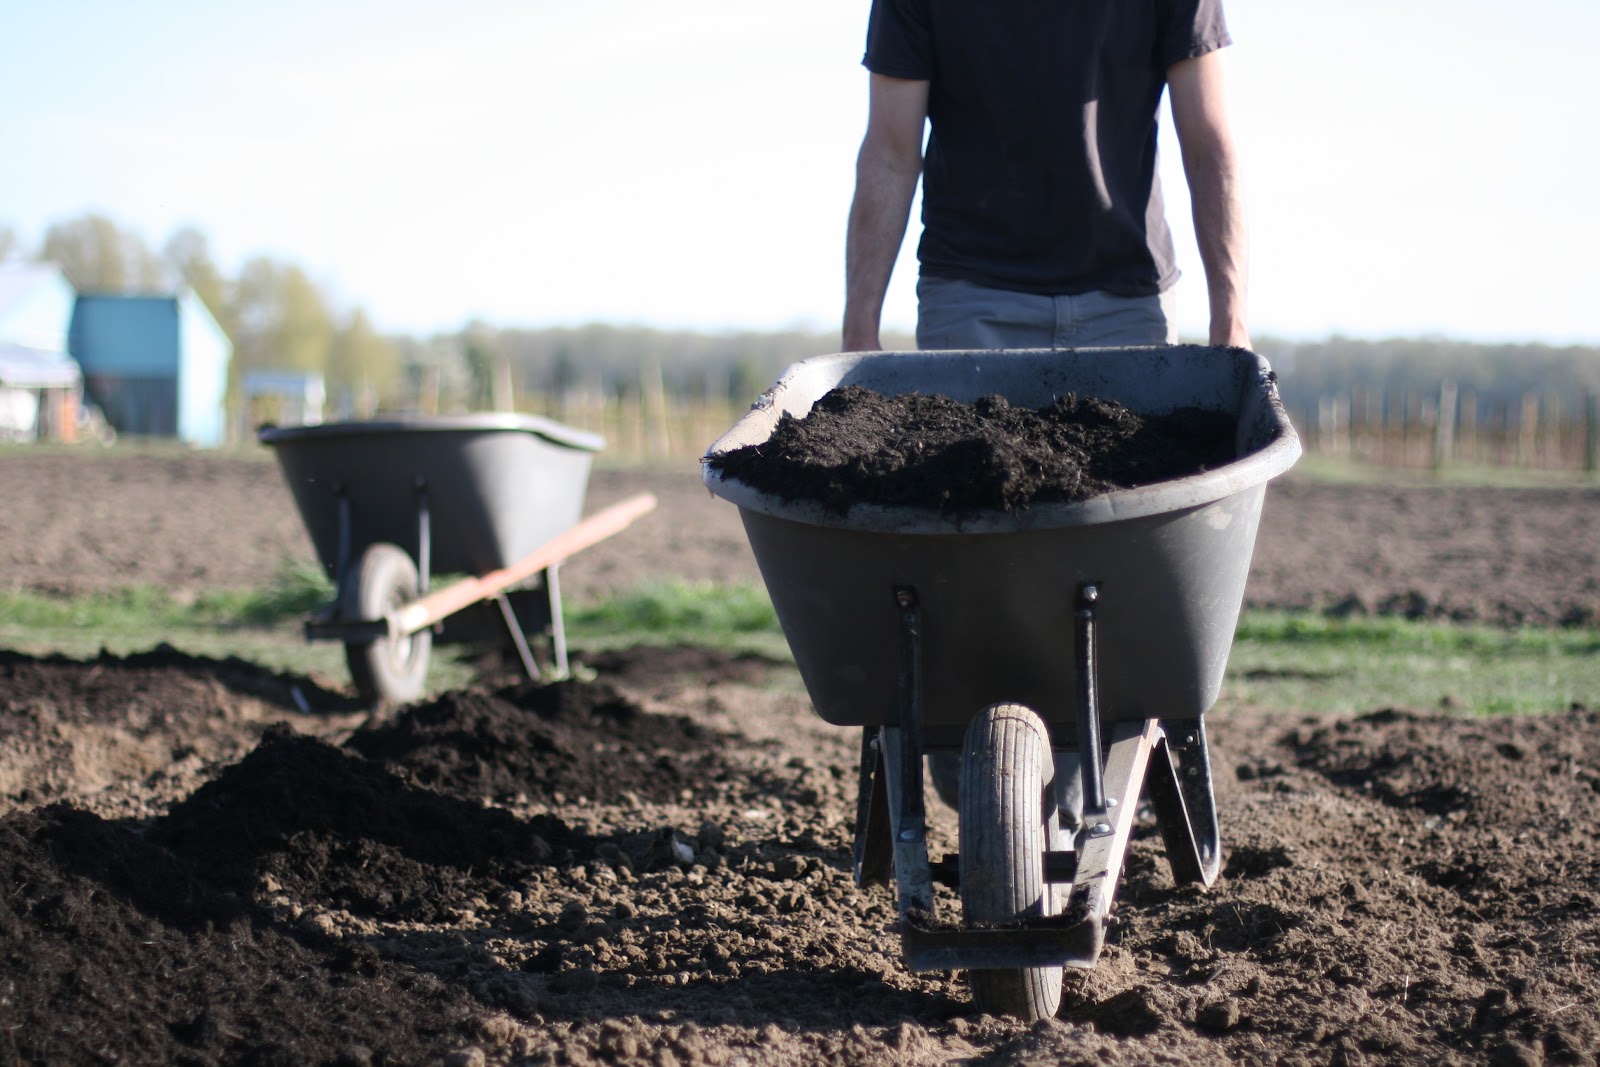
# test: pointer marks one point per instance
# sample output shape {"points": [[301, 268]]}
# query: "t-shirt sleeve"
{"points": [[1190, 28], [899, 40]]}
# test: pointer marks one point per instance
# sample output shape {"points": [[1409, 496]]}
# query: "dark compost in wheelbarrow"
{"points": [[927, 450]]}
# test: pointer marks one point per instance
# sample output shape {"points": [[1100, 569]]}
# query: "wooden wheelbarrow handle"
{"points": [[420, 614]]}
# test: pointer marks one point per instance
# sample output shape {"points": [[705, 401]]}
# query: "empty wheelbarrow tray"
{"points": [[1060, 651], [492, 496]]}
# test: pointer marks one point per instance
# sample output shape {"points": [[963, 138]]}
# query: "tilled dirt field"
{"points": [[205, 862]]}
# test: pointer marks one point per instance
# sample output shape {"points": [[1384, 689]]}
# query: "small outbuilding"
{"points": [[39, 382], [156, 365], [283, 397]]}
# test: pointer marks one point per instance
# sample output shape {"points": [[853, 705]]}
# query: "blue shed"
{"points": [[156, 365]]}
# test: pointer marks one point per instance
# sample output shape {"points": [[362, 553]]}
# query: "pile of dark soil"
{"points": [[929, 451], [556, 742]]}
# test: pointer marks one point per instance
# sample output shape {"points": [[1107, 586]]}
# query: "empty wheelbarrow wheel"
{"points": [[1005, 828], [385, 669]]}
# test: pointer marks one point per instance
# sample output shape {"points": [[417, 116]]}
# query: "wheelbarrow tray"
{"points": [[997, 590], [498, 485]]}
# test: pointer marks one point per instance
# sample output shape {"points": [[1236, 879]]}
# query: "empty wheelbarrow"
{"points": [[1062, 657], [495, 498]]}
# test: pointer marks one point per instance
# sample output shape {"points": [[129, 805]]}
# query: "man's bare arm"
{"points": [[887, 170], [1211, 166]]}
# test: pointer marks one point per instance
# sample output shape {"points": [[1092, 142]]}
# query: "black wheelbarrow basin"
{"points": [[497, 485], [997, 590]]}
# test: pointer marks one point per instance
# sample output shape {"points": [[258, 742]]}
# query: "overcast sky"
{"points": [[1414, 167]]}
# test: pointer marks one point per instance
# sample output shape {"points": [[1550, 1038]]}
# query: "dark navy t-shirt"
{"points": [[1040, 170]]}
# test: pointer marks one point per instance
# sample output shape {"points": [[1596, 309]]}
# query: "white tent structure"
{"points": [[39, 382]]}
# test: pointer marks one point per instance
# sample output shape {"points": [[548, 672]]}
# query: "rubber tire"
{"points": [[385, 671], [1005, 825]]}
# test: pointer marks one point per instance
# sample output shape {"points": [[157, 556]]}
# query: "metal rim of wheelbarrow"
{"points": [[552, 431]]}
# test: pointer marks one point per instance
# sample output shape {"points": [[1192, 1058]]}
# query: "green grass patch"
{"points": [[1280, 660], [676, 612], [1315, 663], [259, 625], [265, 625], [299, 590]]}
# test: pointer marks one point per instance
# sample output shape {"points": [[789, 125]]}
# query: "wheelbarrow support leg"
{"points": [[424, 536], [519, 639], [558, 633], [341, 552], [1087, 663], [558, 628], [872, 849], [1106, 833], [901, 750], [1179, 788]]}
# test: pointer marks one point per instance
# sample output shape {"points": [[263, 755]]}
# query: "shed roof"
{"points": [[32, 368]]}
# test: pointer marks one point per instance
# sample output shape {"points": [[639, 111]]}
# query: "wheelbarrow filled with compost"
{"points": [[1018, 572], [492, 499]]}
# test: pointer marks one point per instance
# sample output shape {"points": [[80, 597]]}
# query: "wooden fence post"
{"points": [[1444, 426], [1468, 445], [653, 409], [504, 398], [1528, 431], [1591, 432]]}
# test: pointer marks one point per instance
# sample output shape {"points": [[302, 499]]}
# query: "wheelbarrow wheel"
{"points": [[388, 669], [1004, 830]]}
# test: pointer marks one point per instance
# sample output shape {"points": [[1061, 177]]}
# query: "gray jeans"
{"points": [[958, 314], [962, 315]]}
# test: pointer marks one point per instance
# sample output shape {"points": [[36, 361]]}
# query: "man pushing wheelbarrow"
{"points": [[1054, 661]]}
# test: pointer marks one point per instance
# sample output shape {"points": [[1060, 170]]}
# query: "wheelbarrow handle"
{"points": [[428, 610]]}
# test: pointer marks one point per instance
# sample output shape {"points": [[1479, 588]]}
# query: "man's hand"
{"points": [[1211, 166], [887, 170]]}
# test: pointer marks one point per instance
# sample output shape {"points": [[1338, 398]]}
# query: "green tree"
{"points": [[98, 256], [8, 242], [304, 335], [187, 258], [363, 367], [281, 318]]}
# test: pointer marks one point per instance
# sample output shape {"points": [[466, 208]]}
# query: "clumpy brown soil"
{"points": [[1403, 886], [929, 451], [207, 862]]}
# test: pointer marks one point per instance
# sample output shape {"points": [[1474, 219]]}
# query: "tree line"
{"points": [[279, 318], [1496, 376]]}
